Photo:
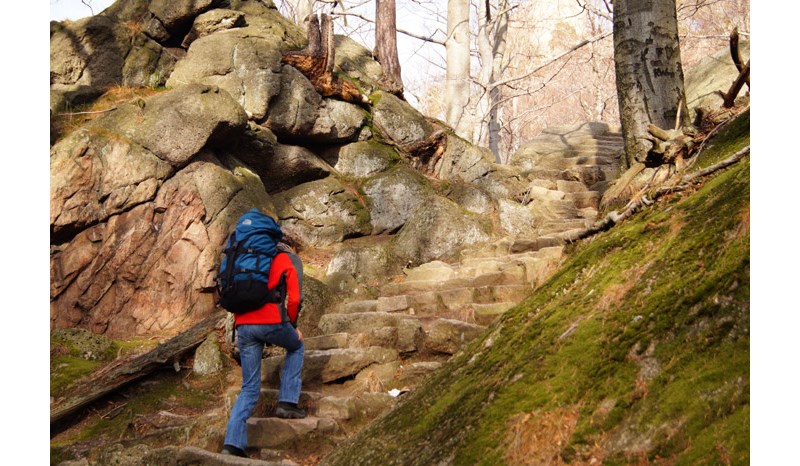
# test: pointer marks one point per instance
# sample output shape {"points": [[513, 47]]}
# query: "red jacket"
{"points": [[270, 313]]}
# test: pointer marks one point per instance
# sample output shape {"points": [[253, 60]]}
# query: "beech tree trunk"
{"points": [[648, 69], [491, 48], [458, 78], [386, 46]]}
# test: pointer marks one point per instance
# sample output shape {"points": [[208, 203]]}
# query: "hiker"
{"points": [[272, 323]]}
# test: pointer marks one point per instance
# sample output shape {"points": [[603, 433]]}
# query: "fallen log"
{"points": [[121, 372], [635, 205]]}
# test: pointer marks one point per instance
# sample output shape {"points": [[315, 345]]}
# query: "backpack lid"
{"points": [[254, 222]]}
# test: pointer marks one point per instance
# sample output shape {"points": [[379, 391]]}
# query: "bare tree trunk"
{"points": [[303, 11], [458, 58], [648, 69], [491, 48], [386, 46]]}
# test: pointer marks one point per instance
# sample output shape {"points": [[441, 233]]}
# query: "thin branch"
{"points": [[614, 218], [595, 11], [410, 34], [533, 71], [87, 113]]}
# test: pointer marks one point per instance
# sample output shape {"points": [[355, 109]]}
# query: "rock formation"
{"points": [[143, 194]]}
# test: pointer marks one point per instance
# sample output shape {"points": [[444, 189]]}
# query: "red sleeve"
{"points": [[292, 292]]}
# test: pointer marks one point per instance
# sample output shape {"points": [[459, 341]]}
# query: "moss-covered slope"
{"points": [[636, 351]]}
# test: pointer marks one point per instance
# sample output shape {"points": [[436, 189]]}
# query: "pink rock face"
{"points": [[138, 273], [136, 233]]}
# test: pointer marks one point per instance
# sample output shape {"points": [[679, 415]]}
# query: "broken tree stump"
{"points": [[317, 60]]}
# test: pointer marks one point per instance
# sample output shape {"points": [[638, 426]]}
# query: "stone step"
{"points": [[522, 245], [587, 160], [328, 341], [570, 186], [271, 432], [485, 314], [539, 193], [586, 199], [434, 302], [268, 400], [391, 330], [559, 226], [194, 456], [367, 305], [448, 335], [325, 366], [414, 287], [589, 213]]}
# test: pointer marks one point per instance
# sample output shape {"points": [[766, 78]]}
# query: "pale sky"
{"points": [[75, 9]]}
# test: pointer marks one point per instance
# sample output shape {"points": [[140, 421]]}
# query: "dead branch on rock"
{"points": [[638, 203], [317, 60], [121, 372], [736, 55], [728, 98]]}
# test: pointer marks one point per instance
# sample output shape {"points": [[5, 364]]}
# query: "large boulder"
{"points": [[357, 61], [291, 166], [392, 197], [93, 177], [322, 212], [141, 205], [337, 122], [176, 125], [716, 73], [89, 51], [439, 230], [177, 15], [95, 53], [151, 268], [294, 111], [148, 64], [471, 197], [363, 159], [251, 75], [366, 260], [464, 161], [213, 21], [398, 121]]}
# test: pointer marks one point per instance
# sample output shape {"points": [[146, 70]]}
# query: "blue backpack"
{"points": [[244, 269]]}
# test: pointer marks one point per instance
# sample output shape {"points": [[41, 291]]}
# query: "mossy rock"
{"points": [[635, 351], [322, 212], [83, 344], [439, 230], [392, 196]]}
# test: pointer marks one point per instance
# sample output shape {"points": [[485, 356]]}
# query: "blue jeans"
{"points": [[252, 339]]}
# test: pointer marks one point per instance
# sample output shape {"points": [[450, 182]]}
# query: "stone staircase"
{"points": [[372, 351]]}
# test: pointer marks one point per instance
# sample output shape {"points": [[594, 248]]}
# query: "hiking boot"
{"points": [[234, 451], [289, 411]]}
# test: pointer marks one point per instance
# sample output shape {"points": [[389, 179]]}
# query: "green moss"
{"points": [[644, 332], [733, 137], [65, 370]]}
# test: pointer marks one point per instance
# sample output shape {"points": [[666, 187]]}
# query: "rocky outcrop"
{"points": [[439, 230], [321, 213], [139, 213]]}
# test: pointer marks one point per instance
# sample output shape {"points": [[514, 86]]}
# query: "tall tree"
{"points": [[647, 59], [458, 57], [491, 41], [386, 46]]}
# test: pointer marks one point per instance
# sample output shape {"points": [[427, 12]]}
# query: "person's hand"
{"points": [[299, 334]]}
